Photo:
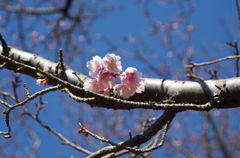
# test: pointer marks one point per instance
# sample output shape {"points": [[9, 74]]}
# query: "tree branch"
{"points": [[159, 93], [166, 117]]}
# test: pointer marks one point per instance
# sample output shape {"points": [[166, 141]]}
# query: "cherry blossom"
{"points": [[112, 63], [131, 83], [95, 66], [131, 76], [106, 70], [92, 86], [106, 79], [95, 86], [43, 82]]}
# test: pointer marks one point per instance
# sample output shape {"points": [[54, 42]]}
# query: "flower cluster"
{"points": [[105, 72]]}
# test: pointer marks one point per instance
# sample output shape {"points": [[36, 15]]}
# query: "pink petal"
{"points": [[95, 65], [124, 91], [112, 63], [91, 85], [131, 76], [106, 79], [42, 81]]}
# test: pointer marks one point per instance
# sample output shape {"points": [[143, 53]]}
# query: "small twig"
{"points": [[161, 143], [40, 105], [5, 104], [130, 134], [85, 131], [6, 94], [238, 9], [33, 96], [59, 135], [26, 90], [6, 49], [213, 74], [15, 85], [8, 133], [102, 139], [60, 64], [211, 62], [234, 44], [12, 107], [76, 98]]}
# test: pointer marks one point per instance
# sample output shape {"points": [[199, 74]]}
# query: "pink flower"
{"points": [[131, 76], [43, 82], [95, 66], [95, 86], [112, 63], [131, 83], [102, 84], [124, 90], [104, 73], [106, 79], [92, 86], [106, 70]]}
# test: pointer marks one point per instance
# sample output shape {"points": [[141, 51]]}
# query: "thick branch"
{"points": [[159, 93]]}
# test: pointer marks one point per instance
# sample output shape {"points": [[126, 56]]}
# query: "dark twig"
{"points": [[67, 6], [26, 90], [238, 9], [60, 62], [6, 94], [59, 135], [212, 74], [159, 145], [162, 140], [33, 96], [39, 106], [6, 49], [12, 107], [8, 133], [234, 44]]}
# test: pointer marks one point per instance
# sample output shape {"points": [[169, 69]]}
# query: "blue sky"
{"points": [[127, 19]]}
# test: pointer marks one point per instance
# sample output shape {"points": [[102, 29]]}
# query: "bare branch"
{"points": [[60, 136], [234, 44], [138, 139], [211, 62], [33, 96], [12, 107]]}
